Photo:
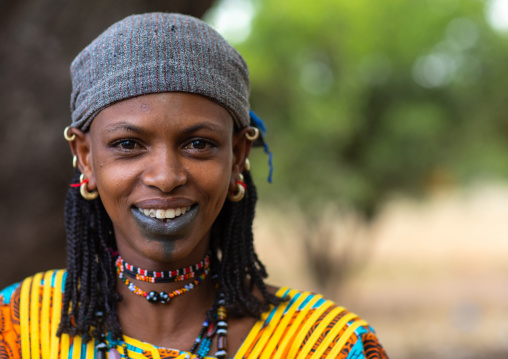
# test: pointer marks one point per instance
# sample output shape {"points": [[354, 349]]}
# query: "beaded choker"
{"points": [[216, 317], [163, 297], [163, 276]]}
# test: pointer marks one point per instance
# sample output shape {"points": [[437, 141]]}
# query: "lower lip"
{"points": [[153, 227]]}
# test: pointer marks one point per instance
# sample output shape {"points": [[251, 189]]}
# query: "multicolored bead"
{"points": [[164, 297], [152, 297]]}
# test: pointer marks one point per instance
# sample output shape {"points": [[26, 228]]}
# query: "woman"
{"points": [[159, 217]]}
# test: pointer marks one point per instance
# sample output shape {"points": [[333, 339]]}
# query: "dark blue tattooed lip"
{"points": [[152, 227]]}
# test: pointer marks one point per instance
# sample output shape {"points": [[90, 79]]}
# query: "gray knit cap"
{"points": [[158, 52]]}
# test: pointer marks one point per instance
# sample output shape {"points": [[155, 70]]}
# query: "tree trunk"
{"points": [[38, 41]]}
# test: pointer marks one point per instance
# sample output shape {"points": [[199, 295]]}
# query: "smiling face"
{"points": [[163, 164]]}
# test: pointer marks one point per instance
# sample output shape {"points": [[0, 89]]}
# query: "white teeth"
{"points": [[164, 213], [170, 213]]}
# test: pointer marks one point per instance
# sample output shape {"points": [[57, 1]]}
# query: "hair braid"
{"points": [[106, 263], [90, 282], [240, 269]]}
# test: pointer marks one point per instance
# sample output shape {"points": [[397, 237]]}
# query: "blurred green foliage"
{"points": [[364, 99]]}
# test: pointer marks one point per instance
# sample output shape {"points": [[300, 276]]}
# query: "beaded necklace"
{"points": [[154, 297], [176, 275], [215, 323], [216, 317]]}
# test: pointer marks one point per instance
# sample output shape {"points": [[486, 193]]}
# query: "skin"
{"points": [[164, 150]]}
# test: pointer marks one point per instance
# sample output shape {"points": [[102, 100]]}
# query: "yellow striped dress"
{"points": [[305, 326]]}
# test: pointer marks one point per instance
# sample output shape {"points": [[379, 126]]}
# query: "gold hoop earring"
{"points": [[75, 161], [253, 137], [240, 192], [84, 190], [68, 137], [247, 164]]}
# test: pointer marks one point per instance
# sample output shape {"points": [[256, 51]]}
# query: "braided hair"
{"points": [[90, 285]]}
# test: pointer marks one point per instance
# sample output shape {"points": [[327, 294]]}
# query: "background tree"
{"points": [[370, 99]]}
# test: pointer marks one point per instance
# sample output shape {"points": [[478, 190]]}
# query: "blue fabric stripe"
{"points": [[292, 302], [306, 301], [7, 292], [285, 293], [83, 351], [134, 349], [357, 349], [318, 303], [64, 278]]}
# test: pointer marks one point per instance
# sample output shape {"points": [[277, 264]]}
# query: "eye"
{"points": [[200, 145], [126, 145]]}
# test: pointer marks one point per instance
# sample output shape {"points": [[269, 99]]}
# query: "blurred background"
{"points": [[387, 120]]}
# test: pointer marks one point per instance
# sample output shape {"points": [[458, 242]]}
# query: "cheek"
{"points": [[213, 181], [114, 183]]}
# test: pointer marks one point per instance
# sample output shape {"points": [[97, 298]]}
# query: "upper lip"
{"points": [[164, 203]]}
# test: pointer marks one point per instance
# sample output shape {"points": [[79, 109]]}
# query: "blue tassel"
{"points": [[258, 122], [270, 163], [261, 126]]}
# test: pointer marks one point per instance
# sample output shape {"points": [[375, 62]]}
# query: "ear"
{"points": [[81, 147], [241, 150]]}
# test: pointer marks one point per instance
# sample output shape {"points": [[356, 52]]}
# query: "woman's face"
{"points": [[163, 165]]}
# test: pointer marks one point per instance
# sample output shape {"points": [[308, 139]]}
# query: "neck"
{"points": [[171, 325]]}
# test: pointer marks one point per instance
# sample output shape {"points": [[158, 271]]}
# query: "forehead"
{"points": [[167, 109]]}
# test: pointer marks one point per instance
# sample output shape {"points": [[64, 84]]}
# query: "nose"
{"points": [[165, 170]]}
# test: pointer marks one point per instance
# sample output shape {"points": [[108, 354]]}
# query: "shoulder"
{"points": [[9, 307], [28, 290], [11, 296], [7, 294], [17, 300], [307, 324], [9, 321], [50, 280]]}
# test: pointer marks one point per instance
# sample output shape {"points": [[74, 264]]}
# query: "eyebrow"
{"points": [[124, 126], [204, 126], [127, 126]]}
